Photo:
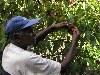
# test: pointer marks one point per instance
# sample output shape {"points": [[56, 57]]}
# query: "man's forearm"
{"points": [[42, 34], [69, 56], [72, 51]]}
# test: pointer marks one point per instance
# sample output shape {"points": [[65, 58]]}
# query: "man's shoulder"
{"points": [[15, 53]]}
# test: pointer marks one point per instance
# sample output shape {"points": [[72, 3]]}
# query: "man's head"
{"points": [[20, 30]]}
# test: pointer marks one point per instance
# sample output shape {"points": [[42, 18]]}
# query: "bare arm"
{"points": [[69, 56], [71, 53], [42, 34]]}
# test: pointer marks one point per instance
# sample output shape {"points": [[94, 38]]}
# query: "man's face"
{"points": [[27, 36]]}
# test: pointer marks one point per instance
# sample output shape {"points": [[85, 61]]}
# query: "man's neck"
{"points": [[20, 45]]}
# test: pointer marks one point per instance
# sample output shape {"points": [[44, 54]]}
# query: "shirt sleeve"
{"points": [[37, 64]]}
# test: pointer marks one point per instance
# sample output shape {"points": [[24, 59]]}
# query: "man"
{"points": [[17, 60]]}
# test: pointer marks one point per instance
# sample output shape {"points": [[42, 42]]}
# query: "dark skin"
{"points": [[20, 40]]}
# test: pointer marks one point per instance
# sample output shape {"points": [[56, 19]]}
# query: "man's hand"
{"points": [[60, 25], [75, 33]]}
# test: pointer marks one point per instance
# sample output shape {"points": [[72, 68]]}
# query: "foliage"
{"points": [[86, 15]]}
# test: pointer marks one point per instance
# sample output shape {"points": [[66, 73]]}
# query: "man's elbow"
{"points": [[64, 68]]}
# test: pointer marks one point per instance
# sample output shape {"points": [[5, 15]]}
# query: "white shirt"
{"points": [[17, 61]]}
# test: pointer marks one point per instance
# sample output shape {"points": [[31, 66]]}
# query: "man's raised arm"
{"points": [[42, 34], [71, 53]]}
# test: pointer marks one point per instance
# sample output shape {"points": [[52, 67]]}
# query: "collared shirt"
{"points": [[17, 61]]}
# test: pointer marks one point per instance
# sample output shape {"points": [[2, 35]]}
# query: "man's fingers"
{"points": [[75, 31]]}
